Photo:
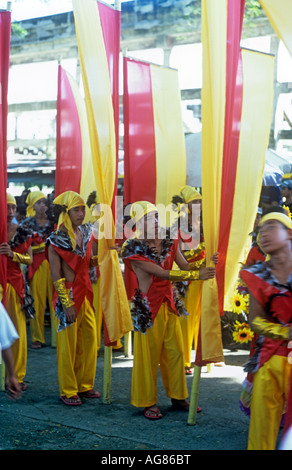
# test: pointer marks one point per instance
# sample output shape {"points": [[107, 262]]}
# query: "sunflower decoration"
{"points": [[239, 303], [242, 333]]}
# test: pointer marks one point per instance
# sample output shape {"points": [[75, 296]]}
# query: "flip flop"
{"points": [[72, 401], [89, 394], [152, 412], [36, 345], [182, 405]]}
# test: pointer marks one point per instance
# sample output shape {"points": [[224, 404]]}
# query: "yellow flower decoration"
{"points": [[239, 303], [238, 325], [288, 211], [243, 335]]}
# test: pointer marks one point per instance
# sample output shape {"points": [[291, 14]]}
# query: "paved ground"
{"points": [[39, 421]]}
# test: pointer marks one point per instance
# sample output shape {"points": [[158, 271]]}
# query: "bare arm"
{"points": [[204, 273], [55, 264]]}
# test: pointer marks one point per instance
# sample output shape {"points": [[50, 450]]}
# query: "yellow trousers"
{"points": [[162, 345], [19, 347], [269, 395], [190, 324], [41, 288], [76, 353]]}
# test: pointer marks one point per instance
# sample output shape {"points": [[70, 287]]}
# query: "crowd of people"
{"points": [[52, 265]]}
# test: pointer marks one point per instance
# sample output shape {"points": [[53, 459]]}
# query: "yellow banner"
{"points": [[279, 13], [98, 100], [256, 118], [169, 134], [214, 37]]}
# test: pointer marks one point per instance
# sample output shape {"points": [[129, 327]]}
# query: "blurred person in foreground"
{"points": [[8, 335], [270, 315]]}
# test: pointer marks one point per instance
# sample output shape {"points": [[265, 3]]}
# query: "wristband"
{"points": [[271, 330], [94, 261], [197, 264], [177, 275], [38, 248], [63, 293], [22, 259]]}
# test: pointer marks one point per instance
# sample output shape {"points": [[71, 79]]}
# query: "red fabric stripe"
{"points": [[69, 141], [5, 30], [231, 138], [139, 137], [110, 20]]}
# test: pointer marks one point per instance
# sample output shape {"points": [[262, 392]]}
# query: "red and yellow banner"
{"points": [[234, 142], [154, 146], [5, 31], [74, 167], [280, 16], [102, 133]]}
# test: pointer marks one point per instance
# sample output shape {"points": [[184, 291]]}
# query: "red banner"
{"points": [[211, 333], [139, 135], [69, 142], [5, 31]]}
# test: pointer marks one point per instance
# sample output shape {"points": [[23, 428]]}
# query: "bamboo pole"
{"points": [[107, 368], [128, 344], [194, 398], [2, 375]]}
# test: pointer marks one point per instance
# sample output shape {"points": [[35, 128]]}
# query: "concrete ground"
{"points": [[40, 421]]}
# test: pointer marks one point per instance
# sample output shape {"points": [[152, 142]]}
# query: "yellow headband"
{"points": [[140, 209], [68, 200], [284, 219], [31, 199], [188, 193], [11, 199]]}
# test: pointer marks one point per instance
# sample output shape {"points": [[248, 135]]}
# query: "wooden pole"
{"points": [[194, 398], [107, 368], [2, 372], [128, 344]]}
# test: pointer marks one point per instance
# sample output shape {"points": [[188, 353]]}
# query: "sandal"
{"points": [[72, 401], [152, 412], [182, 405], [36, 345], [89, 394]]}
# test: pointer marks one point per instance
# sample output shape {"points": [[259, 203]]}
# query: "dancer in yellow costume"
{"points": [[155, 311], [270, 316], [70, 252], [38, 274], [188, 205], [18, 251]]}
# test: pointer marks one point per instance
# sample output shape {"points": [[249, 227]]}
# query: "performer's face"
{"points": [[77, 215], [41, 207], [151, 225], [274, 236], [11, 211]]}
